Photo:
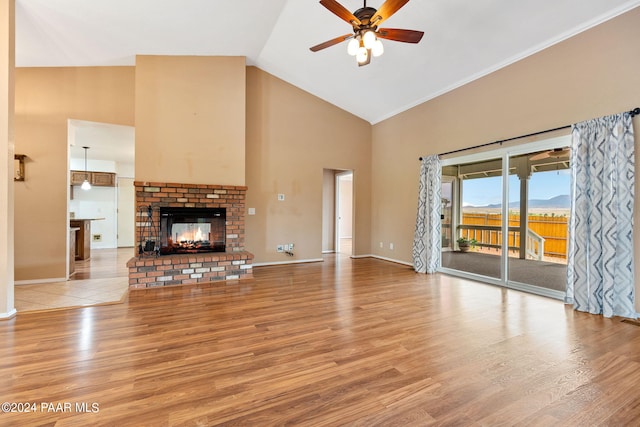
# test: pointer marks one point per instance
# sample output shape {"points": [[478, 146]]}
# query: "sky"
{"points": [[542, 185]]}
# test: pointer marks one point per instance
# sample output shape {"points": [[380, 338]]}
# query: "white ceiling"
{"points": [[105, 141], [463, 40]]}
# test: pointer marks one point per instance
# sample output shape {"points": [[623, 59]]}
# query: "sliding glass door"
{"points": [[508, 225], [448, 194], [539, 217], [476, 245]]}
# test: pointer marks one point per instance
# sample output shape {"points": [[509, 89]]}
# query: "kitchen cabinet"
{"points": [[78, 177], [72, 250], [82, 238], [99, 179], [104, 179]]}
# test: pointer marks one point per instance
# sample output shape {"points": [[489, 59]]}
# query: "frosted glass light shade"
{"points": [[85, 185], [377, 48], [369, 39], [352, 47], [362, 55]]}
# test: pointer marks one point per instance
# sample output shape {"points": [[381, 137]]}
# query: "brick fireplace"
{"points": [[151, 269]]}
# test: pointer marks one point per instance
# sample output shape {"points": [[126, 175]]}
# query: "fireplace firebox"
{"points": [[192, 230]]}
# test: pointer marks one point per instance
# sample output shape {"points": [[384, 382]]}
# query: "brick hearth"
{"points": [[149, 270]]}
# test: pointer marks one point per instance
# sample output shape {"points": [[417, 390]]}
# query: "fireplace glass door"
{"points": [[192, 230]]}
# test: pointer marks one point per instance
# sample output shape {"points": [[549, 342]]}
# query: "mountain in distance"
{"points": [[558, 202]]}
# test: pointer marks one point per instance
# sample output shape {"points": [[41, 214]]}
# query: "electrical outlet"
{"points": [[96, 237], [381, 245], [280, 197], [280, 248], [391, 246]]}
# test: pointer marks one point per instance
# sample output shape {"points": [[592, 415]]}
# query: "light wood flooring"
{"points": [[358, 342], [102, 279]]}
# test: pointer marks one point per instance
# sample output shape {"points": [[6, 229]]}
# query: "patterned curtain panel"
{"points": [[600, 264], [427, 244]]}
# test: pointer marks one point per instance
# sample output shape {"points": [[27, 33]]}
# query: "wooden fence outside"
{"points": [[553, 228]]}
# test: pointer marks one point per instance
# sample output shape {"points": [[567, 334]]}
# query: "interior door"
{"points": [[344, 213]]}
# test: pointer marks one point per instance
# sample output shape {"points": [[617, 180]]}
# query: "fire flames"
{"points": [[191, 236]]}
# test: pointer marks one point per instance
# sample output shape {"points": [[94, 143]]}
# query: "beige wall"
{"points": [[45, 99], [190, 119], [7, 71], [590, 75], [291, 137]]}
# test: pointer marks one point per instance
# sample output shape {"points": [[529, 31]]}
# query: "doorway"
{"points": [[337, 211], [344, 213], [109, 204], [509, 208]]}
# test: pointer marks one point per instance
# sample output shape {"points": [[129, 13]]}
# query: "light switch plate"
{"points": [[280, 197], [252, 211]]}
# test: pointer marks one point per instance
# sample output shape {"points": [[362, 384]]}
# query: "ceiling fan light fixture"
{"points": [[377, 49], [352, 47], [364, 42], [369, 39], [363, 55]]}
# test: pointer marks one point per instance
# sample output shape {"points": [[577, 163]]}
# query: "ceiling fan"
{"points": [[555, 153], [365, 40]]}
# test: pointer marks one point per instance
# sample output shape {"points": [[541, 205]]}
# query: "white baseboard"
{"points": [[363, 256], [297, 261], [9, 315], [397, 261], [38, 281], [329, 252]]}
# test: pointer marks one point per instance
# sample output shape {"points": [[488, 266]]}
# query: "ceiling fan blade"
{"points": [[407, 36], [330, 42], [539, 156], [557, 153], [387, 9], [341, 12]]}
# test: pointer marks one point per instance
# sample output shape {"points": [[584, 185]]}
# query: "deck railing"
{"points": [[535, 245], [490, 236], [552, 228]]}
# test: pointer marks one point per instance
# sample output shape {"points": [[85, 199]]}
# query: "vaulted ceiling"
{"points": [[463, 40]]}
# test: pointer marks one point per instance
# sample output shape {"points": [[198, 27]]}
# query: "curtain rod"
{"points": [[634, 112]]}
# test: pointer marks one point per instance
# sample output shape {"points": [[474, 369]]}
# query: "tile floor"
{"points": [[101, 280]]}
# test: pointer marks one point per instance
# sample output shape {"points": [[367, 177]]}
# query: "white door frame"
{"points": [[455, 215], [338, 220]]}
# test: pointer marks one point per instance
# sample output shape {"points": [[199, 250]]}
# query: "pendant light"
{"points": [[85, 184]]}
